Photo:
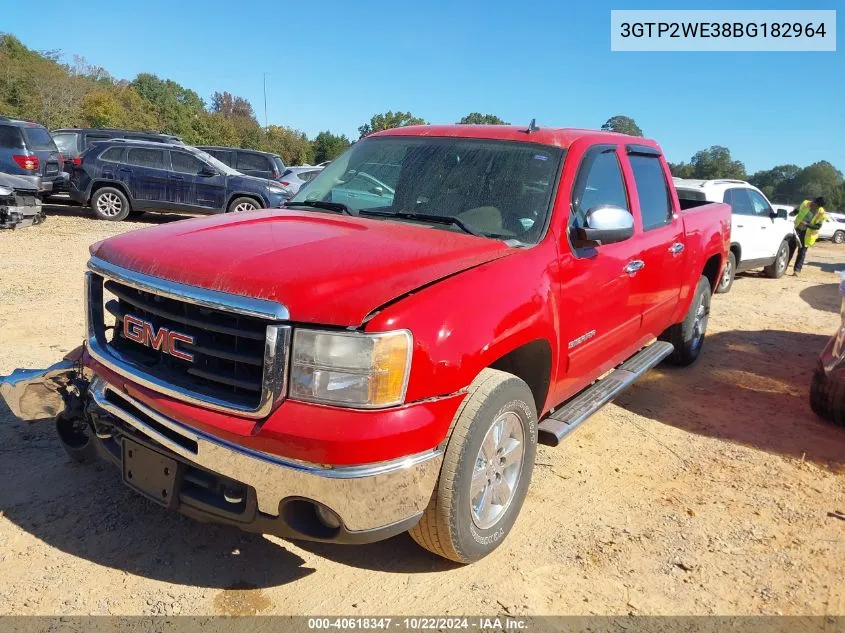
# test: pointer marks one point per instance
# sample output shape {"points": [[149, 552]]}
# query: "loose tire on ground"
{"points": [[777, 268], [449, 527], [827, 397], [243, 204], [688, 336], [727, 279], [110, 203]]}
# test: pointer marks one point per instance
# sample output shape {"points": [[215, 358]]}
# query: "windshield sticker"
{"points": [[541, 157]]}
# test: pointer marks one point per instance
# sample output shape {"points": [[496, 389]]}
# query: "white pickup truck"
{"points": [[761, 237]]}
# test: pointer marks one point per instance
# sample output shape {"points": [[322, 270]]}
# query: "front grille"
{"points": [[26, 199], [218, 355]]}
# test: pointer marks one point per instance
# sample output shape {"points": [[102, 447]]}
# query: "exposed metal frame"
{"points": [[276, 343]]}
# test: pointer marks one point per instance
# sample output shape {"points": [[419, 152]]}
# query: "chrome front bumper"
{"points": [[36, 394], [365, 497]]}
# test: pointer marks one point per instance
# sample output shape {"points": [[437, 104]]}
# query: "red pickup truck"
{"points": [[385, 353]]}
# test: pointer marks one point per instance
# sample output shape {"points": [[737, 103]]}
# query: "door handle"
{"points": [[739, 226], [178, 177], [764, 227], [676, 248], [633, 266]]}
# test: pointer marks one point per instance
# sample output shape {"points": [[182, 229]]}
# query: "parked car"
{"points": [[118, 177], [27, 150], [72, 142], [760, 236], [833, 228], [294, 178], [248, 161], [343, 371], [827, 390], [20, 205]]}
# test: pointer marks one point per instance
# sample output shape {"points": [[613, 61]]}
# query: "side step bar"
{"points": [[562, 422]]}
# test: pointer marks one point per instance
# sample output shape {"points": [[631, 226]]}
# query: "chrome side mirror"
{"points": [[606, 224]]}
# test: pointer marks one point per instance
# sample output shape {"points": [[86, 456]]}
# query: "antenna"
{"points": [[532, 127], [265, 103]]}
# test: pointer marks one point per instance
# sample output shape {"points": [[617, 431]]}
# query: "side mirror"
{"points": [[606, 224], [780, 213], [378, 190], [208, 171]]}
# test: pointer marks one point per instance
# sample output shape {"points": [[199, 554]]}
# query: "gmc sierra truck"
{"points": [[385, 353]]}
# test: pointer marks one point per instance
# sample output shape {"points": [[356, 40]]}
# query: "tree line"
{"points": [[38, 86]]}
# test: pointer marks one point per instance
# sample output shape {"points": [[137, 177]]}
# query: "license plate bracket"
{"points": [[149, 473]]}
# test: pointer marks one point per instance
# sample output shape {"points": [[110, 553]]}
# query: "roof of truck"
{"points": [[559, 137]]}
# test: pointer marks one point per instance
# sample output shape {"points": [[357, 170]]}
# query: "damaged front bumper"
{"points": [[219, 481], [20, 210]]}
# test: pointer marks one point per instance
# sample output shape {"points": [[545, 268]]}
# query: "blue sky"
{"points": [[332, 64]]}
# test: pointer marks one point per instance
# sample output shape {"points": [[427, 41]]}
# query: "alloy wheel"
{"points": [[498, 467], [109, 204]]}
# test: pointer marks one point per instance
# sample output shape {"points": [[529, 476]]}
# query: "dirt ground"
{"points": [[700, 491]]}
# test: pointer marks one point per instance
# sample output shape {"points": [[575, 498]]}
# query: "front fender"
{"points": [[466, 322]]}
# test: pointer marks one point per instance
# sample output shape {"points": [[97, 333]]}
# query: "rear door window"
{"points": [[38, 138], [144, 157], [652, 190], [280, 166], [11, 137], [222, 155], [739, 200]]}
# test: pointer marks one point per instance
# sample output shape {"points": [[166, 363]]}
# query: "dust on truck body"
{"points": [[385, 353]]}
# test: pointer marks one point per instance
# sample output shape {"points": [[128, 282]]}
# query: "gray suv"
{"points": [[27, 150]]}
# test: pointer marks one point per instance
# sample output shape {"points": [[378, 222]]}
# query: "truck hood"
{"points": [[327, 269]]}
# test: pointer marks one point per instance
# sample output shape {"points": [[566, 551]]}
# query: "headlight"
{"points": [[276, 190], [6, 191], [351, 368]]}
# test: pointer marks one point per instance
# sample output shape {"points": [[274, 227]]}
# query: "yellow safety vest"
{"points": [[802, 221]]}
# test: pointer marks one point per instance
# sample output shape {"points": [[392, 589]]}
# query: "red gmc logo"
{"points": [[164, 340]]}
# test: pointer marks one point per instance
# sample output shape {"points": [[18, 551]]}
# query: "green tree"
{"points": [[818, 179], [772, 182], [292, 145], [388, 120], [681, 170], [716, 162], [623, 125], [328, 146], [482, 119]]}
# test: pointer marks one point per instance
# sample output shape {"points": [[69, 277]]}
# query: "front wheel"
{"points": [[688, 336], [239, 205], [486, 470], [839, 237], [777, 268]]}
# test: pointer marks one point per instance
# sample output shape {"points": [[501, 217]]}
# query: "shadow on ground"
{"points": [[748, 387], [825, 297], [75, 211], [86, 511]]}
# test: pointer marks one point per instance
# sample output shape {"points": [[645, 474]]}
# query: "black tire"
{"points": [[110, 203], [688, 336], [243, 203], [75, 438], [839, 237], [727, 279], [449, 526], [827, 397], [777, 268]]}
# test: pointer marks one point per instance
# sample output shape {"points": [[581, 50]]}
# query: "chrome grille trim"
{"points": [[276, 342]]}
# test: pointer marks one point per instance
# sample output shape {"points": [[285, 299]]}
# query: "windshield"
{"points": [[218, 164], [500, 189], [38, 138]]}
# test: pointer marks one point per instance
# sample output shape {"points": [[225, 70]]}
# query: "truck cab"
{"points": [[385, 353]]}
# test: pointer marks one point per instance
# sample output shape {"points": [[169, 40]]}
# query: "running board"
{"points": [[562, 422]]}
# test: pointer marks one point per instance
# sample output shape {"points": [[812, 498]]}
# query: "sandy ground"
{"points": [[700, 491]]}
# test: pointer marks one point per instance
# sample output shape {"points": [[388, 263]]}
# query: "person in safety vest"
{"points": [[808, 221]]}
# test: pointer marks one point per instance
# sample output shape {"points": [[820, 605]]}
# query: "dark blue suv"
{"points": [[119, 177]]}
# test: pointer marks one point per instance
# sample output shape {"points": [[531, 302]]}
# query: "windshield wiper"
{"points": [[320, 204], [425, 217]]}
